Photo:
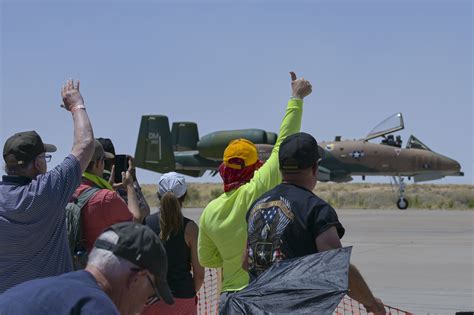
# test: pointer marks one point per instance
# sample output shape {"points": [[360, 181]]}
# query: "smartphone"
{"points": [[121, 165]]}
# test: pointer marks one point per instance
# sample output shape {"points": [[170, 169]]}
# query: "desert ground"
{"points": [[353, 195]]}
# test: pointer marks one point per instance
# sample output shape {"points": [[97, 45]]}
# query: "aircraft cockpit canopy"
{"points": [[389, 125], [414, 143]]}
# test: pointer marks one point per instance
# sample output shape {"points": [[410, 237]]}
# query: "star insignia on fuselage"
{"points": [[357, 154]]}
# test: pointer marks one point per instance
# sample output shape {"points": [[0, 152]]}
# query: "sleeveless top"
{"points": [[180, 279]]}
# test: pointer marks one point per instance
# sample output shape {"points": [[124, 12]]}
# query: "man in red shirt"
{"points": [[105, 207]]}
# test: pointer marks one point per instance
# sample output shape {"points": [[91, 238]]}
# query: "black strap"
{"points": [[153, 222], [104, 245]]}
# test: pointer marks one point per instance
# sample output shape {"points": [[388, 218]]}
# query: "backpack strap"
{"points": [[85, 195], [153, 222]]}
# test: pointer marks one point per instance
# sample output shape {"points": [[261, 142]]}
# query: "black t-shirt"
{"points": [[284, 223], [70, 293]]}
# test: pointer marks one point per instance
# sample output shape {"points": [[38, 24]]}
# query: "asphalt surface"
{"points": [[420, 261]]}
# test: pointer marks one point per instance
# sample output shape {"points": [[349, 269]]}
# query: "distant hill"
{"points": [[351, 195]]}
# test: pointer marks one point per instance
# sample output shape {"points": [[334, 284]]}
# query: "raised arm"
{"points": [[83, 144], [143, 204], [268, 176], [291, 123], [138, 213]]}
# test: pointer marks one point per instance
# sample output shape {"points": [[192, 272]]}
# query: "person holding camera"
{"points": [[105, 207], [113, 168]]}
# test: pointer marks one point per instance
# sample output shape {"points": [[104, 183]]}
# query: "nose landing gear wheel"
{"points": [[402, 203]]}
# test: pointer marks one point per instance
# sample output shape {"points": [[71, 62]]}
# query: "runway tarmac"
{"points": [[420, 261]]}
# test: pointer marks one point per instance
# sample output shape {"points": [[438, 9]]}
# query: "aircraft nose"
{"points": [[450, 166]]}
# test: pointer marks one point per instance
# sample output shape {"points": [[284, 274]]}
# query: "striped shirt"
{"points": [[33, 233]]}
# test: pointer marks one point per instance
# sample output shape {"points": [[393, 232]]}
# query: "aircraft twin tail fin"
{"points": [[154, 150], [185, 136]]}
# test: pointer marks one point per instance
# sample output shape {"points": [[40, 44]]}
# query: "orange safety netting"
{"points": [[208, 295], [349, 306]]}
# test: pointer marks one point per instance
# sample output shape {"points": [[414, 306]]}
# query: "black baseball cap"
{"points": [[139, 245], [107, 145], [23, 147], [100, 152], [299, 151]]}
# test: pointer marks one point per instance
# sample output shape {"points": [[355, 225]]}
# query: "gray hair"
{"points": [[105, 260]]}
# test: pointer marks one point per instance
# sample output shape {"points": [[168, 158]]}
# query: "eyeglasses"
{"points": [[152, 299], [47, 157]]}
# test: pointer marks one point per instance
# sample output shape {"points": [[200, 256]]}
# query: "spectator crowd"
{"points": [[75, 241]]}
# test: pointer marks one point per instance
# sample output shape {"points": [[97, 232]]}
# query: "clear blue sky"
{"points": [[225, 65]]}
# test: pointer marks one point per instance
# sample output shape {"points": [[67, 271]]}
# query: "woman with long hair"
{"points": [[179, 236]]}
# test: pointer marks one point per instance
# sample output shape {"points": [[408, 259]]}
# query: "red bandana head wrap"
{"points": [[234, 178]]}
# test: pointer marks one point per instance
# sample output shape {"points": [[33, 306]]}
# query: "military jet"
{"points": [[180, 149]]}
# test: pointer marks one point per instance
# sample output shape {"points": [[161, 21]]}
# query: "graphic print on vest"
{"points": [[266, 224]]}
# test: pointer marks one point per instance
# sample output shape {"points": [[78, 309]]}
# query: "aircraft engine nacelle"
{"points": [[212, 146]]}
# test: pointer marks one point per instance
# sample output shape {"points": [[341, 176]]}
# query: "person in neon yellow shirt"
{"points": [[222, 226]]}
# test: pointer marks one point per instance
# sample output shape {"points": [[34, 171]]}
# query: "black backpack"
{"points": [[74, 227]]}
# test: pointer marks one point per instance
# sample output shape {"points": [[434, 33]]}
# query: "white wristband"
{"points": [[76, 107]]}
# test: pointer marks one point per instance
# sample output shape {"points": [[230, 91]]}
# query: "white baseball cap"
{"points": [[172, 182]]}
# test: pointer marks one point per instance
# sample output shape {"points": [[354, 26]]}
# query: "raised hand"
{"points": [[300, 87], [129, 176], [131, 167], [71, 95], [112, 179]]}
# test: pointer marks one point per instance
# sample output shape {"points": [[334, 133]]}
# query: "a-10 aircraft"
{"points": [[180, 149]]}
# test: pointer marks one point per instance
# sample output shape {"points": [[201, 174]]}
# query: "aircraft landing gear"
{"points": [[402, 202]]}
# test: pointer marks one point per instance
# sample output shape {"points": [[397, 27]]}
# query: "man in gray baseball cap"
{"points": [[126, 270], [139, 245]]}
